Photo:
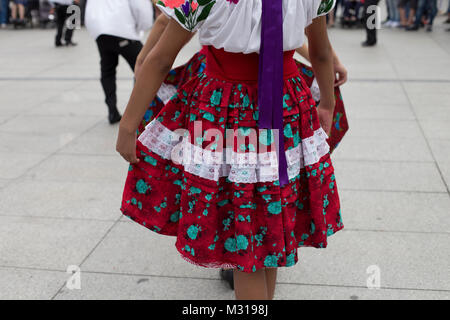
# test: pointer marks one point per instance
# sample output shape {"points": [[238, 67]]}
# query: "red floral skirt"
{"points": [[209, 176]]}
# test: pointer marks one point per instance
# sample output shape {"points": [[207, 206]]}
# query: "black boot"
{"points": [[114, 116], [367, 44], [227, 276]]}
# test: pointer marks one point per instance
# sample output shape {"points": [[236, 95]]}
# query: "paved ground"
{"points": [[61, 181]]}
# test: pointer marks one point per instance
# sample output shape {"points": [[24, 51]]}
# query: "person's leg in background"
{"points": [[109, 60], [371, 30], [448, 13], [432, 9], [402, 12], [60, 13], [4, 13], [421, 6], [394, 17], [129, 49]]}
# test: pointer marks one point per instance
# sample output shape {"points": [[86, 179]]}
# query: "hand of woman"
{"points": [[341, 74], [326, 117], [126, 145]]}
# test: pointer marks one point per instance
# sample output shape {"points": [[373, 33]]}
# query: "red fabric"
{"points": [[242, 67]]}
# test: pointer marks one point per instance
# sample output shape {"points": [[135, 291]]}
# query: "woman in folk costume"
{"points": [[182, 74], [236, 165]]}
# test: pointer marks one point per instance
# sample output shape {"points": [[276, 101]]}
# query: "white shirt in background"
{"points": [[121, 18]]}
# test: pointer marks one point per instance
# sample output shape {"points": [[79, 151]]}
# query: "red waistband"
{"points": [[241, 67]]}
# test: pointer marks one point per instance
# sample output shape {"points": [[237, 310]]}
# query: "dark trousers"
{"points": [[110, 48], [61, 17], [371, 32], [423, 5]]}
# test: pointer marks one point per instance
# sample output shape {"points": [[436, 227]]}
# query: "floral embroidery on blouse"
{"points": [[325, 6], [190, 12]]}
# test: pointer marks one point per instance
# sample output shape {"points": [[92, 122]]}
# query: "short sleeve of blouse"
{"points": [[323, 7], [188, 13]]}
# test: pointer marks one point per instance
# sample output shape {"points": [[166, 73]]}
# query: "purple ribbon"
{"points": [[270, 78]]}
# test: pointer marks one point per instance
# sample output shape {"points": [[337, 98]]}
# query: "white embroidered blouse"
{"points": [[235, 25]]}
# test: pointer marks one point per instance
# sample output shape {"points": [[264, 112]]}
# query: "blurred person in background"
{"points": [[430, 8], [448, 15], [4, 13], [371, 31], [62, 15], [117, 26], [18, 12], [407, 16], [394, 14]]}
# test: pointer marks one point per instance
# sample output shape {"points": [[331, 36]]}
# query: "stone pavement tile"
{"points": [[100, 140], [445, 169], [13, 165], [405, 261], [383, 149], [132, 249], [81, 168], [14, 100], [62, 199], [28, 284], [440, 149], [4, 182], [70, 108], [396, 211], [385, 129], [48, 243], [138, 287], [312, 292], [49, 125], [369, 93], [357, 111], [31, 143], [388, 176], [429, 69], [4, 119], [436, 129], [430, 101]]}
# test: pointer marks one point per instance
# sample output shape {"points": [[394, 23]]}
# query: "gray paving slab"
{"points": [[28, 284], [100, 140], [95, 200], [130, 248], [389, 176], [129, 287], [76, 168], [440, 149], [311, 292], [396, 211], [383, 149], [445, 169], [374, 93], [47, 243], [436, 129], [404, 261], [9, 167], [49, 125]]}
